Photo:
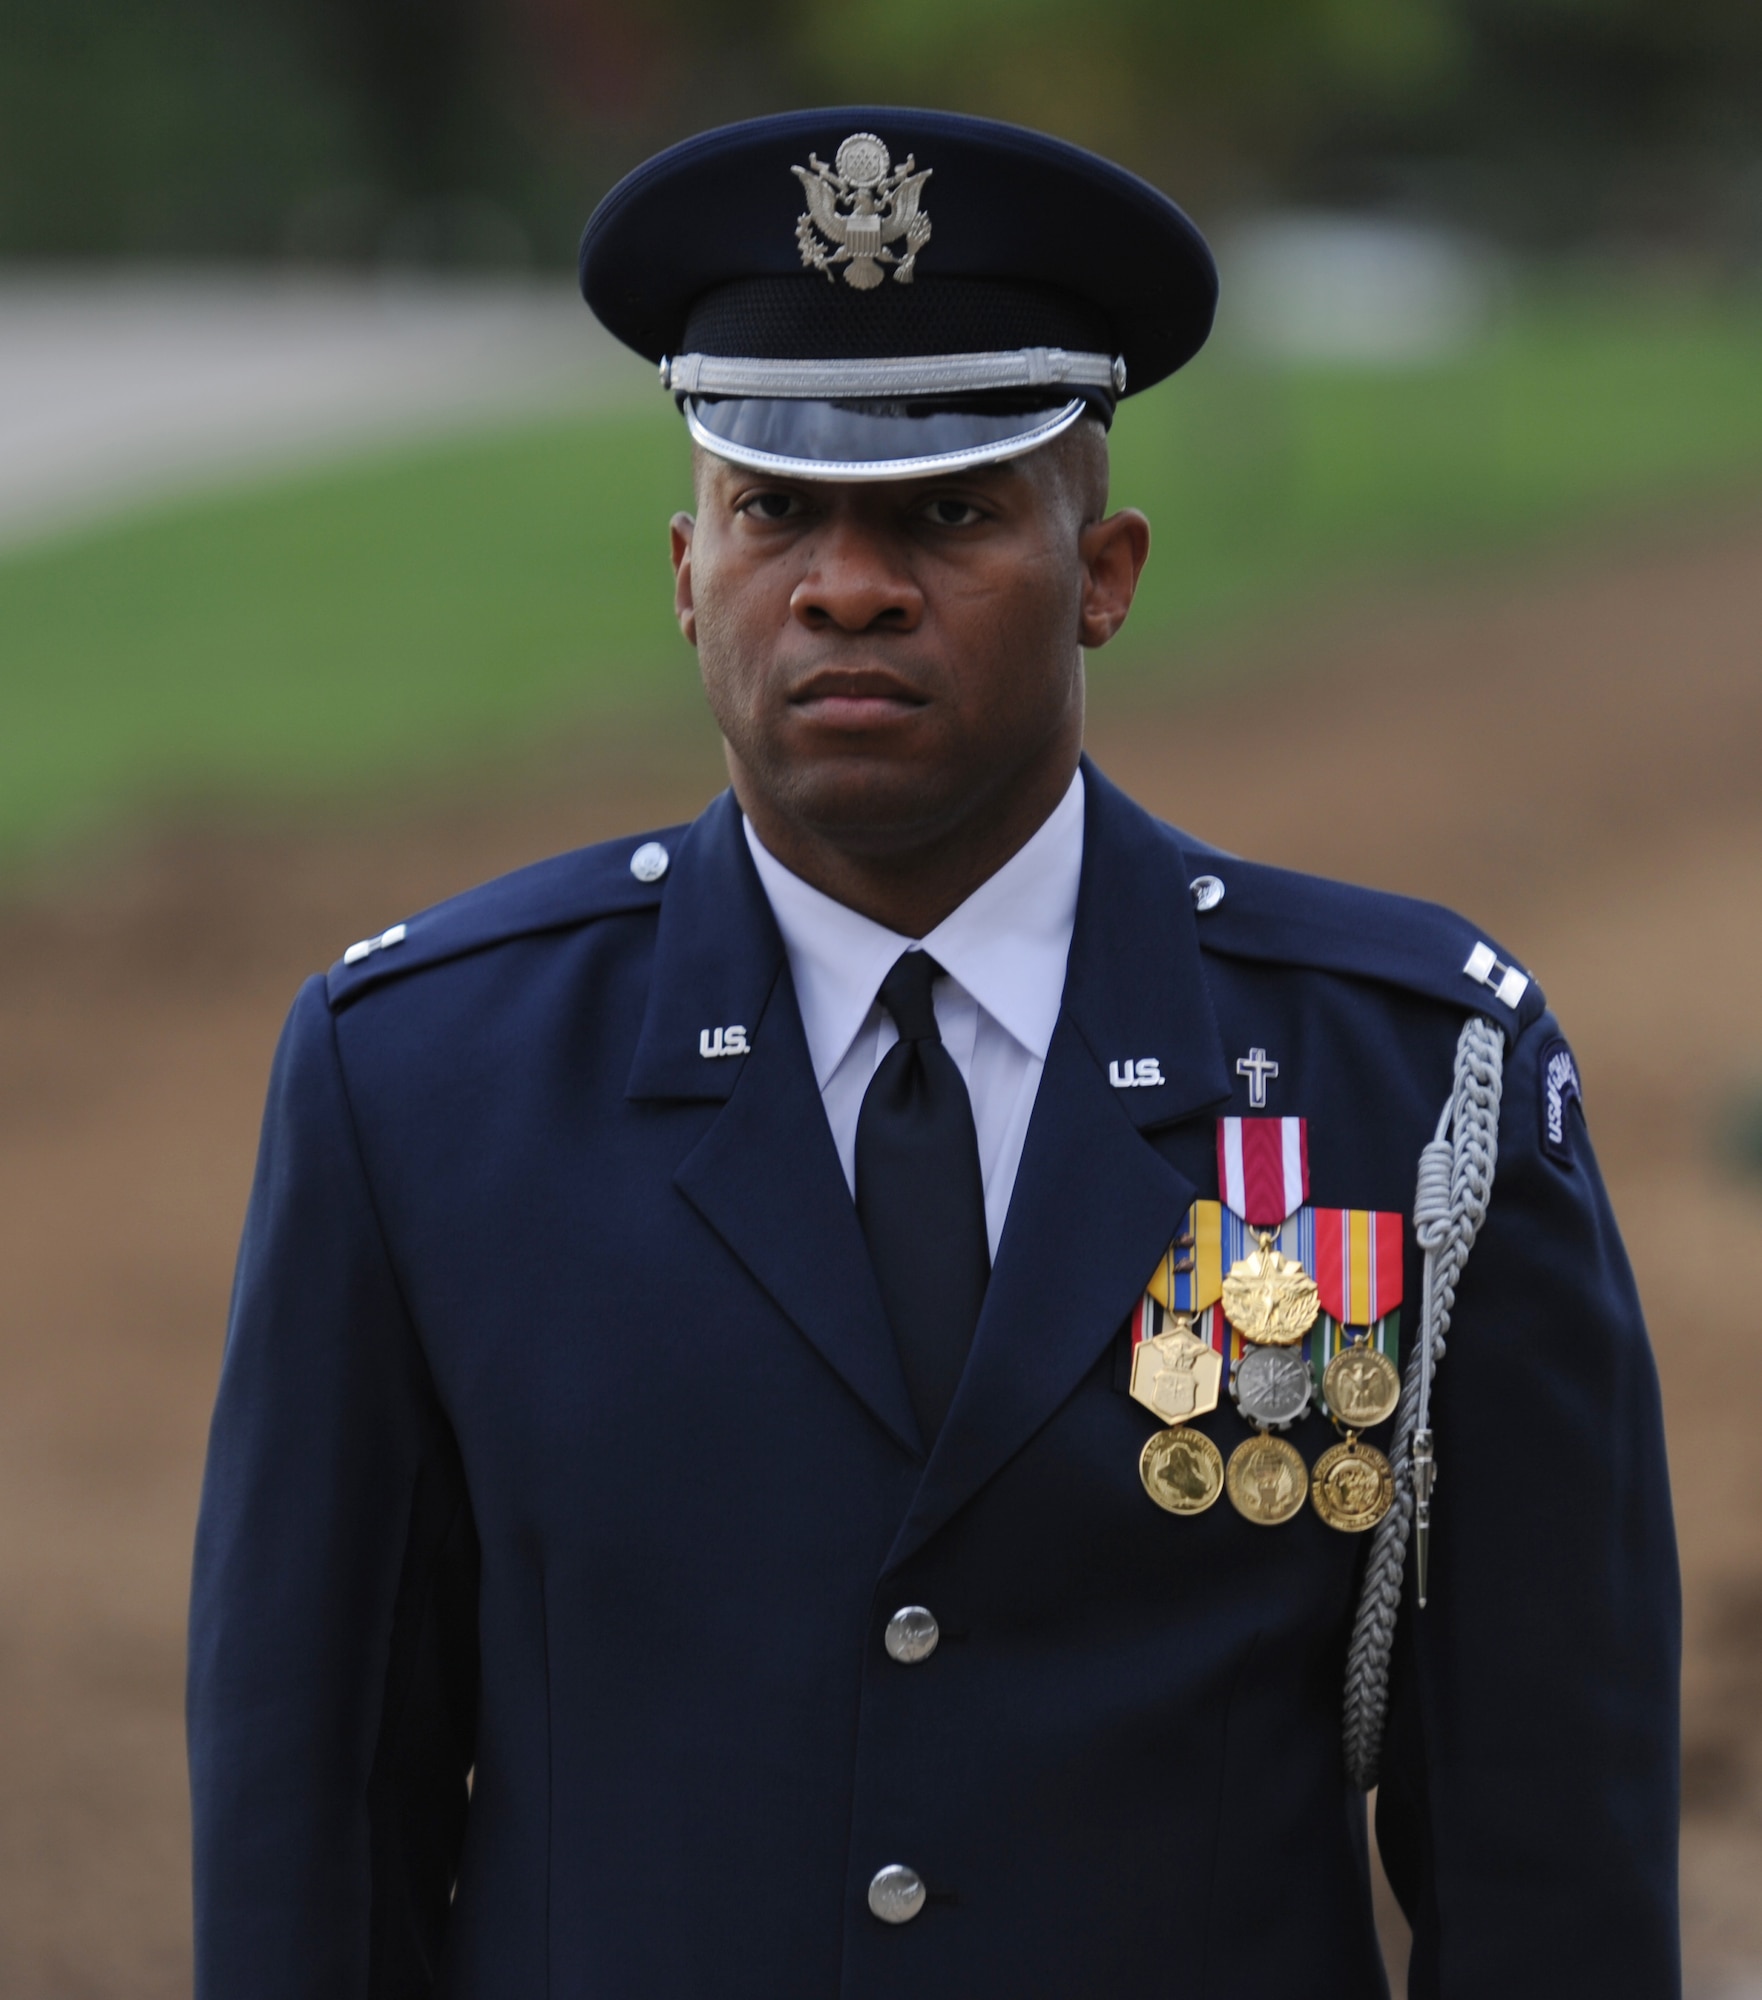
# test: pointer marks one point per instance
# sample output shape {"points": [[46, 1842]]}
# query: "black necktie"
{"points": [[920, 1196]]}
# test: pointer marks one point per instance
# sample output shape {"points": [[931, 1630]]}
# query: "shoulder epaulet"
{"points": [[1248, 910], [557, 894]]}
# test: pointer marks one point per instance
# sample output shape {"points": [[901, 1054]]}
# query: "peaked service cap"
{"points": [[876, 293]]}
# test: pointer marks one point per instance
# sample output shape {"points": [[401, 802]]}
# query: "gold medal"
{"points": [[1362, 1386], [1176, 1375], [1267, 1480], [1354, 1486], [1269, 1298], [1182, 1470]]}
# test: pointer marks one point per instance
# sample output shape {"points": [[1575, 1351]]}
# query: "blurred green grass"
{"points": [[392, 617]]}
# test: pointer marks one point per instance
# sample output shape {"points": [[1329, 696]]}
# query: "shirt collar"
{"points": [[1006, 944]]}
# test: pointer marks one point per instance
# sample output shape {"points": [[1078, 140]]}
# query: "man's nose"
{"points": [[857, 582]]}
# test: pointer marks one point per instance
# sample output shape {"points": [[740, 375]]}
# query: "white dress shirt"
{"points": [[1004, 951]]}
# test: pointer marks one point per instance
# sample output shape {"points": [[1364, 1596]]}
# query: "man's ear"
{"points": [[1113, 553], [680, 531]]}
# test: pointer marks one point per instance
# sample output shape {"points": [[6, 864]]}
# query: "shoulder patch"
{"points": [[557, 894], [1249, 910], [1560, 1087]]}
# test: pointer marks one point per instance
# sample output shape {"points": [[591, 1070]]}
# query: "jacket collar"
{"points": [[718, 954], [1135, 988], [765, 1176], [1094, 1204]]}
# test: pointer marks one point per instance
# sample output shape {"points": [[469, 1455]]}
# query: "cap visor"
{"points": [[806, 440]]}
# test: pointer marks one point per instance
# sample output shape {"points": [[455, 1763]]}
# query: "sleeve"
{"points": [[1527, 1813], [332, 1663]]}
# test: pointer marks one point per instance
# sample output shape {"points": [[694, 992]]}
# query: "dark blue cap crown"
{"points": [[869, 291]]}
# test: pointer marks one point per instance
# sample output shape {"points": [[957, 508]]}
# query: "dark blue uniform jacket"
{"points": [[563, 1479]]}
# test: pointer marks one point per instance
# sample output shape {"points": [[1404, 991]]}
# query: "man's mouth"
{"points": [[856, 698]]}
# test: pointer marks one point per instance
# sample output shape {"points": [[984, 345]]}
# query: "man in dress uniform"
{"points": [[911, 1388]]}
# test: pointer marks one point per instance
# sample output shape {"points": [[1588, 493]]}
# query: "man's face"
{"points": [[889, 659]]}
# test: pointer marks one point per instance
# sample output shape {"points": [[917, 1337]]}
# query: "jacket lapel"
{"points": [[765, 1176], [1094, 1203]]}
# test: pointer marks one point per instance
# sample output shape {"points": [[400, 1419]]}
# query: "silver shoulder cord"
{"points": [[1449, 1205]]}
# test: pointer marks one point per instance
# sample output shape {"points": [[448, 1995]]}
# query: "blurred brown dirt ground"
{"points": [[1571, 755]]}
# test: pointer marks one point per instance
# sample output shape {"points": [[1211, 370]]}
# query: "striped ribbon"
{"points": [[1263, 1167], [1357, 1266], [1191, 1274], [1153, 1317]]}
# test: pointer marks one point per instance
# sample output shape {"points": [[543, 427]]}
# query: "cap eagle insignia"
{"points": [[857, 207]]}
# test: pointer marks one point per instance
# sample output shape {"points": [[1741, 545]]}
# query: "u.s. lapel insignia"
{"points": [[857, 208], [1136, 1073]]}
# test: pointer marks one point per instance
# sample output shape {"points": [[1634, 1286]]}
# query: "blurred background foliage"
{"points": [[1523, 293], [464, 132], [411, 609]]}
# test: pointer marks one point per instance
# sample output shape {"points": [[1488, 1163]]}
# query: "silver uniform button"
{"points": [[911, 1635], [1207, 892], [649, 862], [896, 1895]]}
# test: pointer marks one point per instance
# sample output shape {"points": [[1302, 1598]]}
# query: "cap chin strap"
{"points": [[889, 378], [992, 453]]}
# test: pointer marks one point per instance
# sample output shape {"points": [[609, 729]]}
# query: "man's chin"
{"points": [[867, 801]]}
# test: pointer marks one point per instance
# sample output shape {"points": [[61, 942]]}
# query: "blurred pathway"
{"points": [[117, 386]]}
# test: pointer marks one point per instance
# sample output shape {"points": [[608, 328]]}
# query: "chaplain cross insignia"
{"points": [[856, 208], [1257, 1069]]}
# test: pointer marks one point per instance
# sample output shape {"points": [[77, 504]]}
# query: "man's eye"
{"points": [[949, 513], [770, 506]]}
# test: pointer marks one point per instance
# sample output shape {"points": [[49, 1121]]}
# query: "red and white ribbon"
{"points": [[1263, 1167]]}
